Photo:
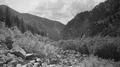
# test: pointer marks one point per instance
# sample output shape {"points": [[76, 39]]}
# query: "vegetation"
{"points": [[92, 51], [104, 47]]}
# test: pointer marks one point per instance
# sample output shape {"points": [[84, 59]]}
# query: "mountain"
{"points": [[103, 20], [29, 22]]}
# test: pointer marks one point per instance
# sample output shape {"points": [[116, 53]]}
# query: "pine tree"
{"points": [[7, 21]]}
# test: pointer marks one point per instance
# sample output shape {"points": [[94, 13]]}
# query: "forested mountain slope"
{"points": [[28, 22], [103, 20]]}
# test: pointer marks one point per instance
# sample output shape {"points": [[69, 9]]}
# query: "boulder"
{"points": [[30, 56], [4, 65], [44, 64], [13, 62], [10, 66], [18, 65], [36, 64], [33, 61], [19, 54], [18, 51], [29, 65], [1, 62], [10, 55], [24, 65], [38, 59], [17, 48]]}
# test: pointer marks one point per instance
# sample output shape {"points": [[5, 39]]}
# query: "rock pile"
{"points": [[33, 63]]}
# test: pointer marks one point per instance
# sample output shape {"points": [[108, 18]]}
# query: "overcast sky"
{"points": [[60, 10]]}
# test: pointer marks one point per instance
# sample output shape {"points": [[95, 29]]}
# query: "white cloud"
{"points": [[60, 10], [22, 5], [64, 10], [2, 1]]}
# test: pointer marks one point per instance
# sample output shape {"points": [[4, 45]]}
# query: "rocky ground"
{"points": [[68, 58]]}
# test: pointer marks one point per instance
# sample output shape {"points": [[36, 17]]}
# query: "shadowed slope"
{"points": [[28, 22]]}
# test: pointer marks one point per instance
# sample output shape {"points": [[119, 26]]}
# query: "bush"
{"points": [[76, 45], [104, 47], [29, 42], [35, 44], [108, 49]]}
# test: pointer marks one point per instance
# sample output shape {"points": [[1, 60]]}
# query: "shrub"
{"points": [[74, 45], [32, 44], [108, 49], [93, 61], [104, 47]]}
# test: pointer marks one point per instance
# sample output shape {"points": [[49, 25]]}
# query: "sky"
{"points": [[59, 10]]}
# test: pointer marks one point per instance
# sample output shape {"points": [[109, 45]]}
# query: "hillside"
{"points": [[103, 20], [35, 24]]}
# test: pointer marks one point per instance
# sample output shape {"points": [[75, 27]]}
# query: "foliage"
{"points": [[73, 53], [29, 42], [104, 47]]}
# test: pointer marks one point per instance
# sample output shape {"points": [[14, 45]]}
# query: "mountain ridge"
{"points": [[88, 23], [29, 22]]}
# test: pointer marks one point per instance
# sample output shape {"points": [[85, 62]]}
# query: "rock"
{"points": [[17, 48], [10, 66], [24, 65], [18, 51], [10, 55], [14, 62], [3, 47], [20, 60], [29, 65], [36, 65], [52, 65], [38, 59], [19, 54], [44, 64], [18, 65], [30, 56], [7, 60], [4, 65], [1, 61], [33, 61], [4, 52], [109, 65]]}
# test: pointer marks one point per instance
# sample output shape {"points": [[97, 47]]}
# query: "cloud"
{"points": [[22, 5], [63, 10], [2, 1]]}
